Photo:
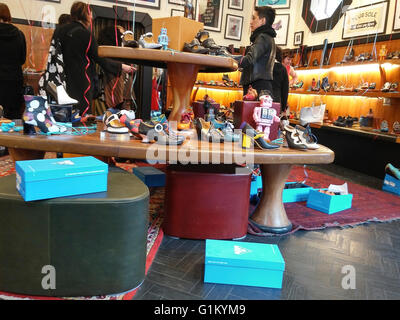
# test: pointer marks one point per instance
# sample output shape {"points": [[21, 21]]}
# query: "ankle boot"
{"points": [[59, 93], [38, 113]]}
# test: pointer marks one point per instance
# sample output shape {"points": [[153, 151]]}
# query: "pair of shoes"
{"points": [[59, 94], [393, 171], [299, 138], [195, 47], [252, 137], [38, 114], [205, 41], [146, 41], [389, 87]]}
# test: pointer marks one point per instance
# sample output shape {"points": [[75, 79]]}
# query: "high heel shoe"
{"points": [[146, 41], [59, 94], [293, 138], [38, 114], [309, 139], [250, 137], [206, 131]]}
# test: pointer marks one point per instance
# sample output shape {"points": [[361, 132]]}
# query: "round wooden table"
{"points": [[182, 68]]}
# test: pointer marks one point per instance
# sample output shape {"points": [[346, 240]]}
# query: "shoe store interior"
{"points": [[263, 136]]}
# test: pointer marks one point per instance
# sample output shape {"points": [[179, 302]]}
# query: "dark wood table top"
{"points": [[191, 150], [160, 58]]}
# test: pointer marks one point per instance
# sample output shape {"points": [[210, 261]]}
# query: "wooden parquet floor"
{"points": [[314, 262]]}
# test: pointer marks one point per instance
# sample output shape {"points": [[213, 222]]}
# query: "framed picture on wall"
{"points": [[233, 27], [180, 2], [154, 4], [298, 38], [276, 4], [210, 13], [365, 20], [235, 4], [396, 20], [177, 13], [282, 29], [57, 1]]}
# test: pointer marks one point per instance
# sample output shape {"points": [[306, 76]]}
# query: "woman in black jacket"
{"points": [[12, 57], [75, 38], [259, 60], [280, 82]]}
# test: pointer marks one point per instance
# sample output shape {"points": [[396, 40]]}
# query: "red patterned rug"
{"points": [[154, 237], [369, 205]]}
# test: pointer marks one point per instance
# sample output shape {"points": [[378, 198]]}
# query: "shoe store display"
{"points": [[293, 138], [59, 94], [384, 126], [113, 124], [128, 40], [307, 136]]}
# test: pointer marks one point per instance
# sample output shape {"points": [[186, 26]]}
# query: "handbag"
{"points": [[313, 114]]}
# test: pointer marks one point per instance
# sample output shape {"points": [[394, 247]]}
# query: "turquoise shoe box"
{"points": [[255, 186], [297, 194], [391, 184], [61, 177], [327, 203], [243, 263], [152, 177]]}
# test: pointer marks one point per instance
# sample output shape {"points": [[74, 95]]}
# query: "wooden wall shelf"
{"points": [[369, 94]]}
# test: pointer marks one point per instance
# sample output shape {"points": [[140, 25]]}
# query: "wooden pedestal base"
{"points": [[270, 211]]}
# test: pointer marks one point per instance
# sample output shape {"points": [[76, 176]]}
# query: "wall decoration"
{"points": [[180, 2], [365, 20], [298, 38], [277, 4], [177, 13], [233, 27], [153, 4], [323, 15], [235, 4], [210, 13], [396, 21], [282, 29]]}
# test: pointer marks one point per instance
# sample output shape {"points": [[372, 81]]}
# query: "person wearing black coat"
{"points": [[258, 62], [280, 82], [75, 38], [12, 57]]}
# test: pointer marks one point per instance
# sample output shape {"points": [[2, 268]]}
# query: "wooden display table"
{"points": [[182, 68], [275, 164]]}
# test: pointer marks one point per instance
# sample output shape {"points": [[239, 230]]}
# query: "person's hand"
{"points": [[127, 68]]}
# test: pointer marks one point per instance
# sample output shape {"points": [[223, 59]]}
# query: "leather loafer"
{"points": [[276, 230]]}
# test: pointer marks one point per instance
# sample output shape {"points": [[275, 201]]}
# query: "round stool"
{"points": [[96, 243]]}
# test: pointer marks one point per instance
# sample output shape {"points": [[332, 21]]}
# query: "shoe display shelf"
{"points": [[207, 83]]}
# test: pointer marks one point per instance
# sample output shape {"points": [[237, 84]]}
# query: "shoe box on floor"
{"points": [[243, 263], [53, 178], [152, 177], [295, 192], [391, 184], [328, 203]]}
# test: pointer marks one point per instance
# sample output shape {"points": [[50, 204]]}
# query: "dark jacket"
{"points": [[12, 52], [74, 39], [258, 63], [280, 85]]}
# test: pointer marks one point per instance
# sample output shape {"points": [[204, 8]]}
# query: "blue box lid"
{"points": [[244, 254], [47, 169]]}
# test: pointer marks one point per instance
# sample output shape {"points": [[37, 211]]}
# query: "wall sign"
{"points": [[365, 20]]}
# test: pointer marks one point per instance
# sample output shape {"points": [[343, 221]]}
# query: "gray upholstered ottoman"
{"points": [[96, 242]]}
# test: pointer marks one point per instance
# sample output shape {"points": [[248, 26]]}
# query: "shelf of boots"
{"points": [[374, 134]]}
